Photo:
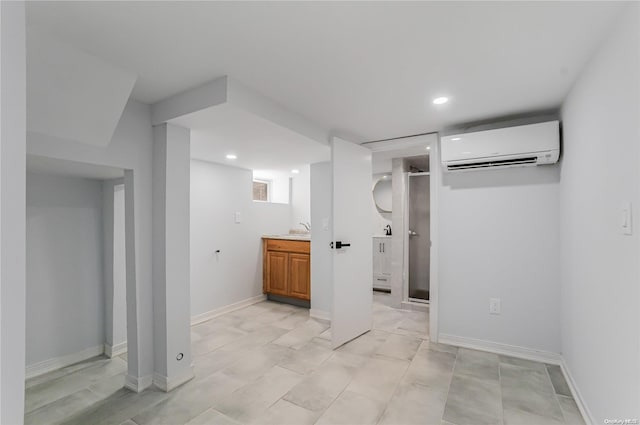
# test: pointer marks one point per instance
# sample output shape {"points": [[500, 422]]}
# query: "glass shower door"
{"points": [[419, 237]]}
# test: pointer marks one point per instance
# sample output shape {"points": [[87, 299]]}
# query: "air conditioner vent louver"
{"points": [[519, 146], [493, 163]]}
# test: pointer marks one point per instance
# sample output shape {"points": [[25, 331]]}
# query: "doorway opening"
{"points": [[76, 328], [419, 237], [409, 166]]}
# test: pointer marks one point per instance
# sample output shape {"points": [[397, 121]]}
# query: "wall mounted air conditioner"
{"points": [[524, 145]]}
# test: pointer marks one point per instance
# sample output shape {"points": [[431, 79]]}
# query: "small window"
{"points": [[261, 189]]}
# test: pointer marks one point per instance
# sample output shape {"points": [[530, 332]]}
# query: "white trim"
{"points": [[112, 351], [504, 349], [200, 318], [325, 316], [138, 384], [167, 384], [398, 143], [434, 271], [55, 363], [577, 397]]}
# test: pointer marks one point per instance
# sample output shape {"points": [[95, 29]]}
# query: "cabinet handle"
{"points": [[382, 246]]}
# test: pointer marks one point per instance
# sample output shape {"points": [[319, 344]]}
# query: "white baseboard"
{"points": [[499, 348], [167, 384], [138, 384], [63, 361], [112, 351], [325, 316], [577, 397], [199, 318]]}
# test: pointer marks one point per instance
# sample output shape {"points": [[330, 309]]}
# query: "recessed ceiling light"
{"points": [[295, 171], [231, 156], [456, 138], [440, 100], [385, 176], [428, 147]]}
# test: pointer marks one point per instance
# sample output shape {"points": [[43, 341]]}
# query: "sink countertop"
{"points": [[291, 237], [381, 236]]}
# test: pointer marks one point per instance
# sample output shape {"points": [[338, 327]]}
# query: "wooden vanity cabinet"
{"points": [[287, 268]]}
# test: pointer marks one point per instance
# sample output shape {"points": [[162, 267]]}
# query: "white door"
{"points": [[352, 264]]}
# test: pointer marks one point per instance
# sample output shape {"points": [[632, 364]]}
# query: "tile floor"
{"points": [[271, 364]]}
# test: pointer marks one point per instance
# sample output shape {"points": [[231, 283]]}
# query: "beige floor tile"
{"points": [[350, 409], [189, 401], [62, 408], [520, 417], [318, 390], [559, 383], [250, 402], [215, 340], [431, 368], [522, 363], [525, 378], [415, 404], [378, 378], [212, 417], [477, 364], [301, 335], [307, 358], [367, 344], [520, 395], [400, 347], [255, 363], [285, 413], [570, 411], [473, 401]]}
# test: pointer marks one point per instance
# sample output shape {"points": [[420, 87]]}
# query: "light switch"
{"points": [[325, 224], [237, 217], [625, 219]]}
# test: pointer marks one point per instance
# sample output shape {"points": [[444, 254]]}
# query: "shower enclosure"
{"points": [[419, 244]]}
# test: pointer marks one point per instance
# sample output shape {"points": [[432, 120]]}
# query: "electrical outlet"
{"points": [[494, 305], [237, 217]]}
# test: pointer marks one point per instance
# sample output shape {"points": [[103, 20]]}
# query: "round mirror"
{"points": [[382, 194]]}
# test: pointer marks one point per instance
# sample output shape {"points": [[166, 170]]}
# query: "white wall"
{"points": [[235, 274], [65, 294], [499, 238], [12, 210], [321, 255], [130, 149], [600, 266], [171, 259], [119, 331], [301, 197]]}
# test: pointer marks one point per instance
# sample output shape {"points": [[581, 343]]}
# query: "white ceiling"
{"points": [[257, 142], [368, 69], [61, 167]]}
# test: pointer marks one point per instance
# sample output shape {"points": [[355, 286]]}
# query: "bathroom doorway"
{"points": [[419, 241]]}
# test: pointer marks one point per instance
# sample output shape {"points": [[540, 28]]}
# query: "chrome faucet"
{"points": [[387, 230], [306, 225]]}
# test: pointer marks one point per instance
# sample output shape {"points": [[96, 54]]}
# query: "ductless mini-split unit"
{"points": [[525, 145]]}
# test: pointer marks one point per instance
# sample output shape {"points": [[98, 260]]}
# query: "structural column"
{"points": [[171, 299], [12, 211]]}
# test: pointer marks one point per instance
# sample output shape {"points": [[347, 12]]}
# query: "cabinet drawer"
{"points": [[288, 246]]}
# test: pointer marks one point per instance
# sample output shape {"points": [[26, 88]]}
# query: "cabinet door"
{"points": [[277, 276], [386, 257], [300, 276], [377, 256]]}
